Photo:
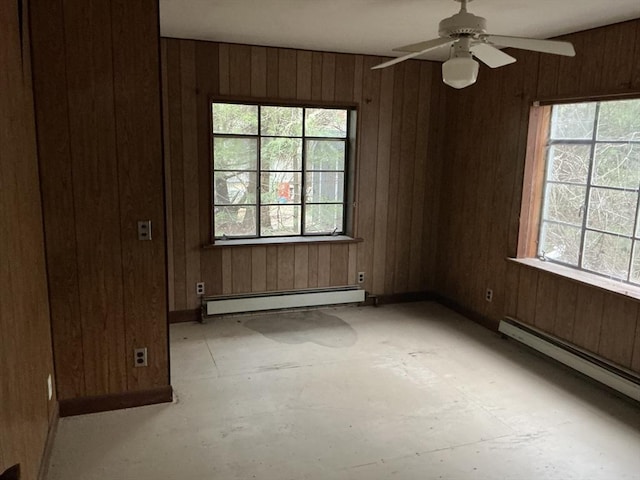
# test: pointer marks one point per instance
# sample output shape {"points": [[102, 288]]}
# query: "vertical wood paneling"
{"points": [[97, 92], [286, 267], [588, 321], [57, 183], [324, 265], [258, 72], [313, 266], [191, 170], [95, 179], [259, 269], [328, 76], [566, 309], [174, 108], [239, 66], [287, 76], [383, 166], [482, 187], [312, 76], [394, 178], [527, 295], [25, 343], [301, 266], [137, 109], [546, 302], [272, 268], [617, 334], [303, 72], [339, 264], [407, 160], [241, 263]]}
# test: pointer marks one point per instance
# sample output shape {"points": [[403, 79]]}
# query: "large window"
{"points": [[590, 218], [280, 170]]}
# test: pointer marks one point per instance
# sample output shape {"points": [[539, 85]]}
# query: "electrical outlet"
{"points": [[144, 230], [200, 288], [360, 277], [49, 387], [140, 357], [488, 296]]}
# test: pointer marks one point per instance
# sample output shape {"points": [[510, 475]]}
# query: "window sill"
{"points": [[249, 242], [581, 277]]}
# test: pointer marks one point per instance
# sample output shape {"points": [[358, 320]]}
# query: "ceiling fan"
{"points": [[467, 34]]}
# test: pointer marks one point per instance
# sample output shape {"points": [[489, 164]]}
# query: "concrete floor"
{"points": [[409, 391]]}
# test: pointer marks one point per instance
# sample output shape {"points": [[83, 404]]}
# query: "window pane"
{"points": [[323, 218], [635, 264], [322, 122], [236, 119], [569, 163], [281, 154], [281, 121], [280, 187], [235, 221], [573, 121], [617, 165], [607, 254], [619, 120], [234, 187], [560, 242], [612, 210], [325, 154], [279, 220], [235, 153], [564, 203], [322, 187]]}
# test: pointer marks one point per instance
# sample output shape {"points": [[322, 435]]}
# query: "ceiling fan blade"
{"points": [[430, 45], [491, 56], [535, 45]]}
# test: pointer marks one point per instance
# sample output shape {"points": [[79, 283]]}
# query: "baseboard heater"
{"points": [[624, 381], [255, 302]]}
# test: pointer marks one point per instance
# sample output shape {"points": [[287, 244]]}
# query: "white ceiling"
{"points": [[375, 26]]}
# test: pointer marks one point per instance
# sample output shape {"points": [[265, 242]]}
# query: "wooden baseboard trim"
{"points": [[48, 446], [399, 298], [183, 316], [103, 403], [467, 312]]}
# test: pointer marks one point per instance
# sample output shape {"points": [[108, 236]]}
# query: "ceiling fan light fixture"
{"points": [[460, 72]]}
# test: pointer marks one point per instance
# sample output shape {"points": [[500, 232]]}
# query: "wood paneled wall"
{"points": [[482, 187], [97, 94], [25, 340], [397, 184]]}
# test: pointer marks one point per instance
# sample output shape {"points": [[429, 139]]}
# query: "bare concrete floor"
{"points": [[410, 391]]}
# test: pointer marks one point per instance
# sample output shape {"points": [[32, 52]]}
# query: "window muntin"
{"points": [[590, 217], [279, 170]]}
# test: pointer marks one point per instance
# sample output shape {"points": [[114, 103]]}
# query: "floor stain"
{"points": [[305, 326]]}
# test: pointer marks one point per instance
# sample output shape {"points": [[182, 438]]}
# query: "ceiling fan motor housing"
{"points": [[462, 23]]}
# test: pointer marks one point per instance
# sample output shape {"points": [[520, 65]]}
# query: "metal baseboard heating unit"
{"points": [[625, 382], [281, 300]]}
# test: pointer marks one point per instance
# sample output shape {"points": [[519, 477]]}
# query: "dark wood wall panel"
{"points": [[97, 103], [26, 357], [483, 168], [397, 185]]}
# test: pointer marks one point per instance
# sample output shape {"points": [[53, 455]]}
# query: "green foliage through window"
{"points": [[590, 216], [279, 170]]}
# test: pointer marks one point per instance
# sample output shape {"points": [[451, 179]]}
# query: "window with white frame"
{"points": [[280, 170], [590, 216]]}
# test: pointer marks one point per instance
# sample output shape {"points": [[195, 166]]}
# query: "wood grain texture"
{"points": [[26, 357], [483, 173], [98, 88], [223, 70], [617, 333]]}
